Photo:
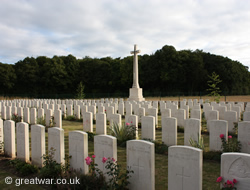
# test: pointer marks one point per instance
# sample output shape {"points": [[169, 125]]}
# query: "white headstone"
{"points": [[56, 140], [58, 118], [88, 122], [26, 115], [116, 119], [244, 136], [49, 115], [148, 127], [181, 117], [33, 116], [184, 168], [246, 116], [217, 127], [153, 112], [231, 118], [101, 121], [192, 129], [211, 115], [78, 149], [1, 130], [141, 159], [141, 113], [236, 166], [37, 144], [9, 138], [22, 141], [169, 130], [104, 146]]}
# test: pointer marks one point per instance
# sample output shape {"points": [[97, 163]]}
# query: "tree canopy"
{"points": [[165, 72]]}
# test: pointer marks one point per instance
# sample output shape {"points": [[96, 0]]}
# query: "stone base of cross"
{"points": [[135, 94]]}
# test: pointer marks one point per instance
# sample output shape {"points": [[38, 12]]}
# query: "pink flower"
{"points": [[127, 124], [113, 159], [235, 181], [229, 136], [230, 183], [131, 121], [104, 159], [88, 160], [219, 179], [93, 156], [221, 136]]}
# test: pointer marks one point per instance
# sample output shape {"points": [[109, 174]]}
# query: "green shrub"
{"points": [[197, 144], [1, 146], [90, 136], [212, 155], [22, 167], [51, 168], [231, 145], [15, 117], [160, 147], [41, 121], [123, 133]]}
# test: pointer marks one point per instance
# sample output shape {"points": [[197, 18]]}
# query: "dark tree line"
{"points": [[166, 72]]}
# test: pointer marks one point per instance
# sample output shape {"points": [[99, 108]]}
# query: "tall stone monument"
{"points": [[135, 93]]}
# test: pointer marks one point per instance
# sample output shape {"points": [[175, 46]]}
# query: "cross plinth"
{"points": [[135, 93]]}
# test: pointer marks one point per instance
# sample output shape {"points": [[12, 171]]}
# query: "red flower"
{"points": [[104, 159], [219, 179], [93, 156], [229, 136], [235, 181], [221, 136]]}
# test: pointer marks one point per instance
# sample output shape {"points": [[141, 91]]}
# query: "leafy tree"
{"points": [[213, 86], [79, 92]]}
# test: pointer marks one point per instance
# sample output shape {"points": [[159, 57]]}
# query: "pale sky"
{"points": [[101, 28]]}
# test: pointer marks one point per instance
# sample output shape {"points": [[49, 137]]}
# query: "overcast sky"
{"points": [[100, 28]]}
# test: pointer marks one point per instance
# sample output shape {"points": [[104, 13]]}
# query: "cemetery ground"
{"points": [[211, 169]]}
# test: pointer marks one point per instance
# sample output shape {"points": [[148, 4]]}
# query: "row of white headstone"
{"points": [[169, 124], [184, 162]]}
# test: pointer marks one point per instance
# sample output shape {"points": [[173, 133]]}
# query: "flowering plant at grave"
{"points": [[232, 145], [16, 118], [228, 185], [116, 180], [123, 133]]}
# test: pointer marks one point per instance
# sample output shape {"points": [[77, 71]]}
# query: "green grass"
{"points": [[211, 170]]}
